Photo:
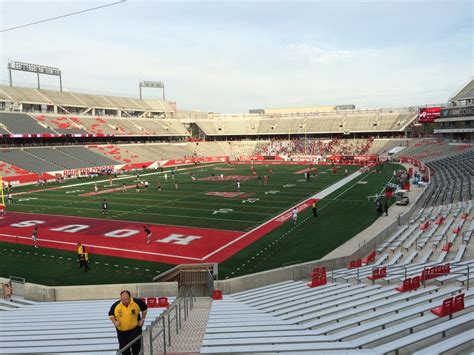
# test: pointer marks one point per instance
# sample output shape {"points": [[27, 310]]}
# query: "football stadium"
{"points": [[294, 225]]}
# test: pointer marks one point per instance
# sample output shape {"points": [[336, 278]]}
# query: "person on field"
{"points": [[34, 237], [314, 207], [128, 316], [85, 259], [105, 207], [294, 215], [148, 234], [80, 251]]}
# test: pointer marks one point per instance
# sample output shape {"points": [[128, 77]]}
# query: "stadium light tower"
{"points": [[35, 68], [152, 84]]}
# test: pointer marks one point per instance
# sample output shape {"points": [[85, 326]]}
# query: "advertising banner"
{"points": [[429, 114]]}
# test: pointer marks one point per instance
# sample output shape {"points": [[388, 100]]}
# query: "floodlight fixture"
{"points": [[34, 68], [152, 85]]}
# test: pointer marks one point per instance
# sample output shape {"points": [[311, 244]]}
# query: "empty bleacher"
{"points": [[452, 179], [26, 161], [79, 327], [20, 123], [66, 99], [56, 156], [317, 123], [291, 317], [87, 155]]}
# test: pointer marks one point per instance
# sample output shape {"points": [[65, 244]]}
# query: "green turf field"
{"points": [[343, 214], [189, 205]]}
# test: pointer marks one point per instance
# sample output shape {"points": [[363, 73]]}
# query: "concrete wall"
{"points": [[42, 293]]}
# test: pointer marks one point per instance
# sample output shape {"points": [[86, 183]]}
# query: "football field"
{"points": [[206, 220]]}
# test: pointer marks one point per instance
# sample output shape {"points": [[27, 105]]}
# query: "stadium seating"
{"points": [[356, 311], [62, 98], [452, 179], [19, 123], [11, 170], [62, 125], [20, 94], [26, 161], [81, 100], [356, 121], [290, 317], [79, 327], [87, 155], [56, 156]]}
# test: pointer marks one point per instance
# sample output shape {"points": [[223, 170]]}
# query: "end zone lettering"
{"points": [[224, 194]]}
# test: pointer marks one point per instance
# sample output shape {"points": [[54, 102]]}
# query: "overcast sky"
{"points": [[231, 56]]}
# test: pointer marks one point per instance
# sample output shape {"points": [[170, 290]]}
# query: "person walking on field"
{"points": [[85, 259], [128, 316], [314, 207], [294, 215]]}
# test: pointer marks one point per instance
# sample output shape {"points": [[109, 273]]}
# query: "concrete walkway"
{"points": [[188, 340]]}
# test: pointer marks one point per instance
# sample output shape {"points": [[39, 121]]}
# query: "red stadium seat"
{"points": [[378, 273], [163, 302], [217, 295], [409, 284], [151, 302], [369, 258], [450, 305], [424, 226]]}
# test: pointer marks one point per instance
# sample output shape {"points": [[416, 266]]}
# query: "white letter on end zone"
{"points": [[179, 239], [72, 228], [26, 224], [121, 233]]}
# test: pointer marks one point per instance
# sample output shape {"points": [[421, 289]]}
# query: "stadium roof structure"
{"points": [[82, 103]]}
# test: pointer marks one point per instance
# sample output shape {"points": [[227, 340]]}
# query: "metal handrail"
{"points": [[210, 282], [180, 305]]}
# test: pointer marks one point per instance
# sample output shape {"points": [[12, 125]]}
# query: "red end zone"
{"points": [[170, 244]]}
